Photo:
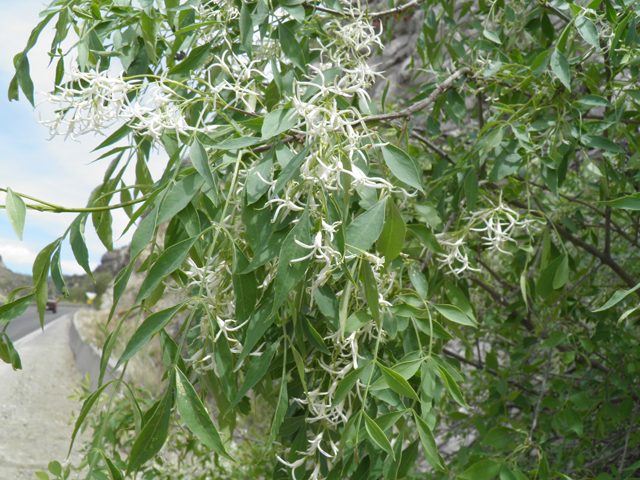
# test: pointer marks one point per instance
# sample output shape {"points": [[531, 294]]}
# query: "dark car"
{"points": [[52, 305]]}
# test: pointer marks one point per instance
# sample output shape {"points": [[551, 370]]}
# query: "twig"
{"points": [[626, 442], [432, 146], [383, 13], [440, 89], [537, 411]]}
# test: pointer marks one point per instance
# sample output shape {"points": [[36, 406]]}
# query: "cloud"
{"points": [[14, 253]]}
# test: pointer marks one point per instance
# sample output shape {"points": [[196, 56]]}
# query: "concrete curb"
{"points": [[88, 357]]}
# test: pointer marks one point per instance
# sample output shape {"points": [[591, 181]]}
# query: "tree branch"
{"points": [[440, 89]]}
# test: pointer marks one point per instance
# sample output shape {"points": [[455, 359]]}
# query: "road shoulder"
{"points": [[35, 412]]}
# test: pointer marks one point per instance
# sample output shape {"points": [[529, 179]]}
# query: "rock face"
{"points": [[114, 261]]}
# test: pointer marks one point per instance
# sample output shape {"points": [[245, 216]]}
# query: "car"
{"points": [[52, 305]]}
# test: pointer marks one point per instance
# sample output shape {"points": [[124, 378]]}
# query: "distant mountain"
{"points": [[10, 281]]}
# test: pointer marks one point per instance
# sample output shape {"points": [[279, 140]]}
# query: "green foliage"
{"points": [[456, 273]]}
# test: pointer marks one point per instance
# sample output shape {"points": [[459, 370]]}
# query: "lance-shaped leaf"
{"points": [[483, 470], [84, 411], [455, 315], [560, 67], [167, 263], [153, 435], [377, 435], [345, 386], [371, 290], [16, 210], [617, 297], [195, 416], [278, 121], [200, 161], [403, 167], [428, 443], [145, 332], [256, 371], [12, 310], [365, 230], [78, 243], [398, 384], [291, 48], [290, 268], [391, 239]]}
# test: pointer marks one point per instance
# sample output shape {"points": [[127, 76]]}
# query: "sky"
{"points": [[57, 171]]}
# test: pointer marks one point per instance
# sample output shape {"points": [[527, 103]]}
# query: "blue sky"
{"points": [[57, 171]]}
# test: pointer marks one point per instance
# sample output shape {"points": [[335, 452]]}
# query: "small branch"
{"points": [[626, 440], [607, 231], [384, 13], [264, 148], [432, 146], [440, 89], [556, 12], [537, 411]]}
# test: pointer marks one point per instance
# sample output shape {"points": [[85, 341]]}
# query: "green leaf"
{"points": [[345, 386], [595, 141], [169, 261], [452, 387], [328, 304], [483, 470], [258, 368], [313, 336], [398, 384], [278, 121], [255, 186], [574, 420], [200, 161], [403, 167], [16, 210], [245, 288], [246, 28], [287, 172], [370, 290], [12, 310], [499, 437], [195, 415], [544, 286], [78, 243], [291, 48], [426, 237], [491, 36], [377, 435], [454, 314], [114, 471], [84, 411], [281, 408], [260, 321], [391, 239], [144, 233], [153, 435], [588, 31], [178, 196], [428, 443], [365, 229], [56, 272], [560, 67], [594, 101], [290, 271], [419, 282], [616, 297], [630, 202], [145, 332], [194, 61], [562, 273], [471, 188]]}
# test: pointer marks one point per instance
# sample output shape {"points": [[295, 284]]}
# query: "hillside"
{"points": [[77, 285]]}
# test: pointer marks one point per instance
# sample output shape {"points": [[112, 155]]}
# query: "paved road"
{"points": [[29, 321]]}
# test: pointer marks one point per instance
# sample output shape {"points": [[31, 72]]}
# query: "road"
{"points": [[29, 321]]}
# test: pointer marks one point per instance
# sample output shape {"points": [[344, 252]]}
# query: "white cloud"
{"points": [[14, 253], [71, 267]]}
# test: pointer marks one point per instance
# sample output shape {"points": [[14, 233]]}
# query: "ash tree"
{"points": [[436, 281]]}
